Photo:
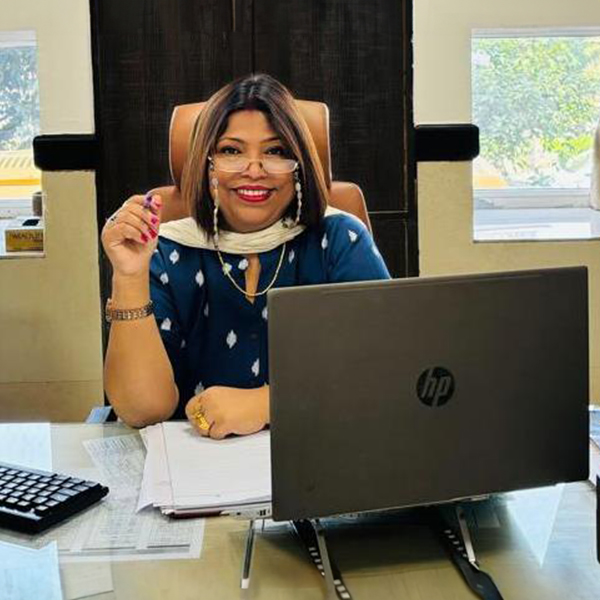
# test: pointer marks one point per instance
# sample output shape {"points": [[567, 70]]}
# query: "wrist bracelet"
{"points": [[127, 314]]}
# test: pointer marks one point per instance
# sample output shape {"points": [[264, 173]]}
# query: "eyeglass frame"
{"points": [[261, 161]]}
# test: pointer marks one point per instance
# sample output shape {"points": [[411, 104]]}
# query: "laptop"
{"points": [[424, 390]]}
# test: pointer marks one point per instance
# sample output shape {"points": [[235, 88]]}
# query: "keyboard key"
{"points": [[68, 492], [59, 497]]}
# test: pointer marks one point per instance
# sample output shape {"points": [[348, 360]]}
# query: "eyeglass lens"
{"points": [[271, 164]]}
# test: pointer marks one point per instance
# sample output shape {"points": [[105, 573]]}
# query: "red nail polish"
{"points": [[153, 233], [144, 238], [154, 220]]}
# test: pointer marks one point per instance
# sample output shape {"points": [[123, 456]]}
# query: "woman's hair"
{"points": [[254, 92]]}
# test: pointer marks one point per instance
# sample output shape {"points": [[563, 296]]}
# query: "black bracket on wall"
{"points": [[436, 143], [79, 152], [66, 152]]}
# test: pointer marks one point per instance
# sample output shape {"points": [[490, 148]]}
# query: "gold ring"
{"points": [[200, 418]]}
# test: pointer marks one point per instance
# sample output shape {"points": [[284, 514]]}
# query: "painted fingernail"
{"points": [[144, 238], [154, 220], [153, 233]]}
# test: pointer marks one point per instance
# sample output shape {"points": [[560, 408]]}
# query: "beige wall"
{"points": [[50, 342], [442, 95]]}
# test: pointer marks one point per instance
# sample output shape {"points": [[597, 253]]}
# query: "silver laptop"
{"points": [[425, 390]]}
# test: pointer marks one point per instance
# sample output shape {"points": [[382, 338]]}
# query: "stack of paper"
{"points": [[185, 473]]}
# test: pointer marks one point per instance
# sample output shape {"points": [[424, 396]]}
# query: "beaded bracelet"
{"points": [[127, 314]]}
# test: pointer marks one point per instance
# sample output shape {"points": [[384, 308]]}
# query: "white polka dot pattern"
{"points": [[231, 339]]}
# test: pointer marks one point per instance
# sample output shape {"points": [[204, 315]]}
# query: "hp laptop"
{"points": [[416, 391]]}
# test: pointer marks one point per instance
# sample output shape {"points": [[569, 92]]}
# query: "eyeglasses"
{"points": [[234, 163]]}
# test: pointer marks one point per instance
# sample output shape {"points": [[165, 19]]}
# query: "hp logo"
{"points": [[435, 386]]}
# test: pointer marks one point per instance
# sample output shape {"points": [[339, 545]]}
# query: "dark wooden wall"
{"points": [[150, 55]]}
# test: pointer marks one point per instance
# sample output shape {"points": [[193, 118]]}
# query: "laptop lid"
{"points": [[415, 391]]}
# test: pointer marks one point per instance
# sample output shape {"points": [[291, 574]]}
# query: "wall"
{"points": [[443, 95], [50, 342]]}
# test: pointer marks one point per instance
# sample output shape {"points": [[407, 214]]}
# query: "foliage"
{"points": [[19, 97], [537, 102]]}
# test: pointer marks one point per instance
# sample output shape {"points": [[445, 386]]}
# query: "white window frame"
{"points": [[514, 198]]}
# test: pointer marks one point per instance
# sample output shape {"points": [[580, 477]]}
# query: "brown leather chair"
{"points": [[343, 195]]}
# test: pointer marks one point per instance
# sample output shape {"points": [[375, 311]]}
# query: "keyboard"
{"points": [[33, 500]]}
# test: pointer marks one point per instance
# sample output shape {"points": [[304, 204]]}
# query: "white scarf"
{"points": [[186, 232]]}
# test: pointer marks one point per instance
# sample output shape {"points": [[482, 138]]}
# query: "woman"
{"points": [[260, 220]]}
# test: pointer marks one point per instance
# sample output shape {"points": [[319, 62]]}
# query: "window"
{"points": [[536, 100], [21, 224]]}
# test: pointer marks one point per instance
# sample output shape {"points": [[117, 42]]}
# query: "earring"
{"points": [[214, 182], [298, 188]]}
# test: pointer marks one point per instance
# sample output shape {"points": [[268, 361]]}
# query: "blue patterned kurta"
{"points": [[212, 333]]}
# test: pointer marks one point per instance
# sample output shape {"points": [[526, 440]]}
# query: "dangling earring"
{"points": [[214, 183], [298, 187], [287, 222]]}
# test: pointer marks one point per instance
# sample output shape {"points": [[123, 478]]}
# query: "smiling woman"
{"points": [[188, 310]]}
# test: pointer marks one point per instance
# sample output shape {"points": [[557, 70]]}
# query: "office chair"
{"points": [[343, 195]]}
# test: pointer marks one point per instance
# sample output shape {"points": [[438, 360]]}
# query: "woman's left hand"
{"points": [[230, 410]]}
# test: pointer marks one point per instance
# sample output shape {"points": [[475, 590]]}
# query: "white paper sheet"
{"points": [[115, 529], [26, 445], [206, 472], [156, 484], [86, 580], [29, 572], [120, 461]]}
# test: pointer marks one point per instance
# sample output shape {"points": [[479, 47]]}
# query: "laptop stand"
{"points": [[312, 535], [455, 537], [459, 545]]}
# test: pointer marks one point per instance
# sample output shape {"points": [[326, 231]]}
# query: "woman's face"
{"points": [[252, 199]]}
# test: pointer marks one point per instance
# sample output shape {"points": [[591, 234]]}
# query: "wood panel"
{"points": [[393, 232]]}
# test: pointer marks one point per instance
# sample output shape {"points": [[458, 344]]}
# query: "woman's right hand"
{"points": [[130, 235]]}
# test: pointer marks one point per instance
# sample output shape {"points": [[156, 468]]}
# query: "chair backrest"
{"points": [[343, 195]]}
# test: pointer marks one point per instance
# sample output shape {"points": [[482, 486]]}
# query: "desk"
{"points": [[535, 545]]}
